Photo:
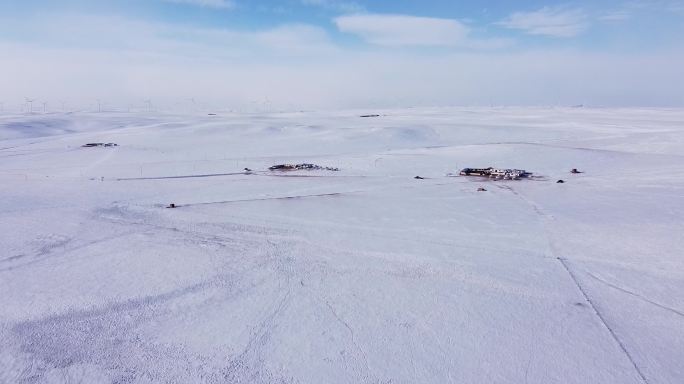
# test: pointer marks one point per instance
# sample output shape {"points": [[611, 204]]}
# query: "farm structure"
{"points": [[496, 173]]}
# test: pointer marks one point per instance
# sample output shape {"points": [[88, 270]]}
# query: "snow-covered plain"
{"points": [[366, 275]]}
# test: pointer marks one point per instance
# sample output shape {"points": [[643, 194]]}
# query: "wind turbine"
{"points": [[149, 105], [30, 103], [44, 106], [99, 105]]}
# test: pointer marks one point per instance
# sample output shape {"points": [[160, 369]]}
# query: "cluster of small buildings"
{"points": [[496, 173], [299, 167], [90, 145]]}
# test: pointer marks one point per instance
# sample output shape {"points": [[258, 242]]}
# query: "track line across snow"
{"points": [[267, 198], [602, 318], [627, 291], [547, 217]]}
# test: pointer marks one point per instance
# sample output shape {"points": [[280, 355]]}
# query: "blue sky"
{"points": [[606, 24], [397, 52]]}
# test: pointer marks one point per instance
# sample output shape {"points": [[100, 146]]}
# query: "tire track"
{"points": [[183, 176], [549, 218], [602, 318], [248, 366], [268, 198], [675, 311]]}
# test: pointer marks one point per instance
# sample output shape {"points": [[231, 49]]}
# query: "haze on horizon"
{"points": [[301, 54]]}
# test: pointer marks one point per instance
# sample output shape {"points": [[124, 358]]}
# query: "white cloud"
{"points": [[120, 34], [121, 61], [402, 30], [218, 4], [336, 5], [619, 15], [667, 5], [548, 21]]}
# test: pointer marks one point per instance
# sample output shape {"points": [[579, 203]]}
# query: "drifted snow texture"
{"points": [[366, 275]]}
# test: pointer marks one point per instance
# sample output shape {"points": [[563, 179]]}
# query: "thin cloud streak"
{"points": [[548, 21], [218, 4], [403, 30], [336, 5]]}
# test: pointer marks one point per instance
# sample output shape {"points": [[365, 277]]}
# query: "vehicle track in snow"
{"points": [[360, 354], [252, 173], [627, 291], [57, 248], [62, 340], [547, 219], [183, 176], [291, 197], [250, 365], [598, 313]]}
